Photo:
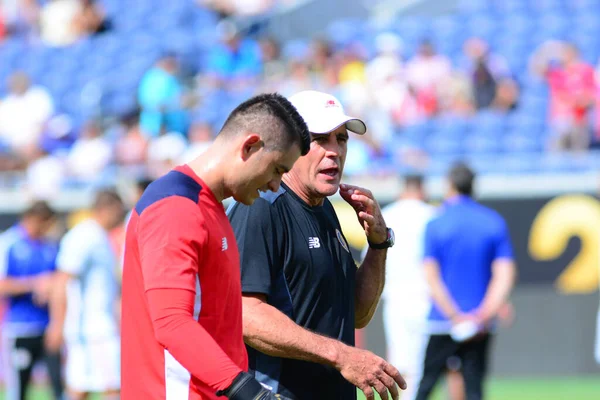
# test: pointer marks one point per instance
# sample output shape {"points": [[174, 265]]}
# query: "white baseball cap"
{"points": [[324, 113]]}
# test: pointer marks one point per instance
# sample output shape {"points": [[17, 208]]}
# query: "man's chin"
{"points": [[246, 200], [327, 189]]}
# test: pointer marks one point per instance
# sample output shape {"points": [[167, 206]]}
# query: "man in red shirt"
{"points": [[181, 302], [572, 85]]}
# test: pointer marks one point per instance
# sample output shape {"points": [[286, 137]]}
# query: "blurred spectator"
{"points": [[456, 96], [45, 176], [274, 70], [469, 240], [485, 69], [299, 78], [392, 101], [57, 22], [160, 96], [236, 61], [28, 261], [164, 153], [91, 19], [58, 135], [201, 136], [90, 155], [83, 302], [321, 55], [507, 94], [131, 148], [23, 114], [2, 27], [572, 91], [20, 17], [425, 74], [352, 78]]}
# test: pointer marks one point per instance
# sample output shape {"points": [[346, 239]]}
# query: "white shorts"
{"points": [[94, 365], [406, 339]]}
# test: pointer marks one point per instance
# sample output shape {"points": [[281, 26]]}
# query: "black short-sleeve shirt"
{"points": [[298, 257]]}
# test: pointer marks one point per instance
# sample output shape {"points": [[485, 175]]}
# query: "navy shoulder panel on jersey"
{"points": [[174, 183]]}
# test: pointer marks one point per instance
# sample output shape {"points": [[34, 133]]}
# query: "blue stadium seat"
{"points": [[476, 143], [521, 142], [482, 26], [548, 5], [511, 6], [442, 143], [411, 136]]}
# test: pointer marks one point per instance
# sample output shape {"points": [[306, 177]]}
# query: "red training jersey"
{"points": [[181, 262]]}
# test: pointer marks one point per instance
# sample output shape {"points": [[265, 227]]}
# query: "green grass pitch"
{"points": [[535, 389], [587, 388]]}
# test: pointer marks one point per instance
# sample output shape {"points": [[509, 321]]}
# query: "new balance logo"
{"points": [[224, 244], [314, 243]]}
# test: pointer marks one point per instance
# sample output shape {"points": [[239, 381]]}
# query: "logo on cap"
{"points": [[331, 103]]}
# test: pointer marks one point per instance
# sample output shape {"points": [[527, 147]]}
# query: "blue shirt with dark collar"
{"points": [[465, 239]]}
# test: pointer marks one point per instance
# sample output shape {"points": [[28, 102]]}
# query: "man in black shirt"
{"points": [[302, 293]]}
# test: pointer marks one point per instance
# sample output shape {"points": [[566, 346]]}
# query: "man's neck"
{"points": [[209, 168], [411, 196], [293, 182]]}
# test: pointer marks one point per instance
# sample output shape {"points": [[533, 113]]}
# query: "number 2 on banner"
{"points": [[557, 222]]}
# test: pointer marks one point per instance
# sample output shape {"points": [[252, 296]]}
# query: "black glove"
{"points": [[245, 387]]}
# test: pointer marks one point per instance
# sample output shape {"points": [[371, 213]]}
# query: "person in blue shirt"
{"points": [[27, 264], [469, 267], [160, 96]]}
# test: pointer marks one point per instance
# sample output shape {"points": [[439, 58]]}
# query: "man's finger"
{"points": [[395, 374], [356, 189], [391, 385], [382, 390], [361, 198], [369, 393], [368, 218]]}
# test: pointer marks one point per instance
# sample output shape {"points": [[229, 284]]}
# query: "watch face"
{"points": [[392, 237]]}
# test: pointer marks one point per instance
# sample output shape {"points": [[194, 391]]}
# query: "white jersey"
{"points": [[405, 285], [86, 253]]}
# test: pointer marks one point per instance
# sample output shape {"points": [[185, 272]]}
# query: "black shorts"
{"points": [[472, 355], [20, 356]]}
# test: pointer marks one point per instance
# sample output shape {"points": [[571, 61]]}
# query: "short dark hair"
{"points": [[413, 181], [107, 198], [267, 114], [461, 178], [40, 209]]}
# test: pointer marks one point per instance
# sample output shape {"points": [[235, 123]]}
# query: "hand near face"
{"points": [[367, 210]]}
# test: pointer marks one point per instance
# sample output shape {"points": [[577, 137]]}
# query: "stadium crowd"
{"points": [[177, 106]]}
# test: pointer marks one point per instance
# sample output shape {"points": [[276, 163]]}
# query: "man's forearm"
{"points": [[370, 280], [439, 293], [443, 300], [499, 289], [271, 332], [15, 287], [58, 300]]}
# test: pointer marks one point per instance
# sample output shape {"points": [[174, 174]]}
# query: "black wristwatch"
{"points": [[389, 242]]}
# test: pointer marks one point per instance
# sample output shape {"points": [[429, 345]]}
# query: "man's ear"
{"points": [[252, 143]]}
